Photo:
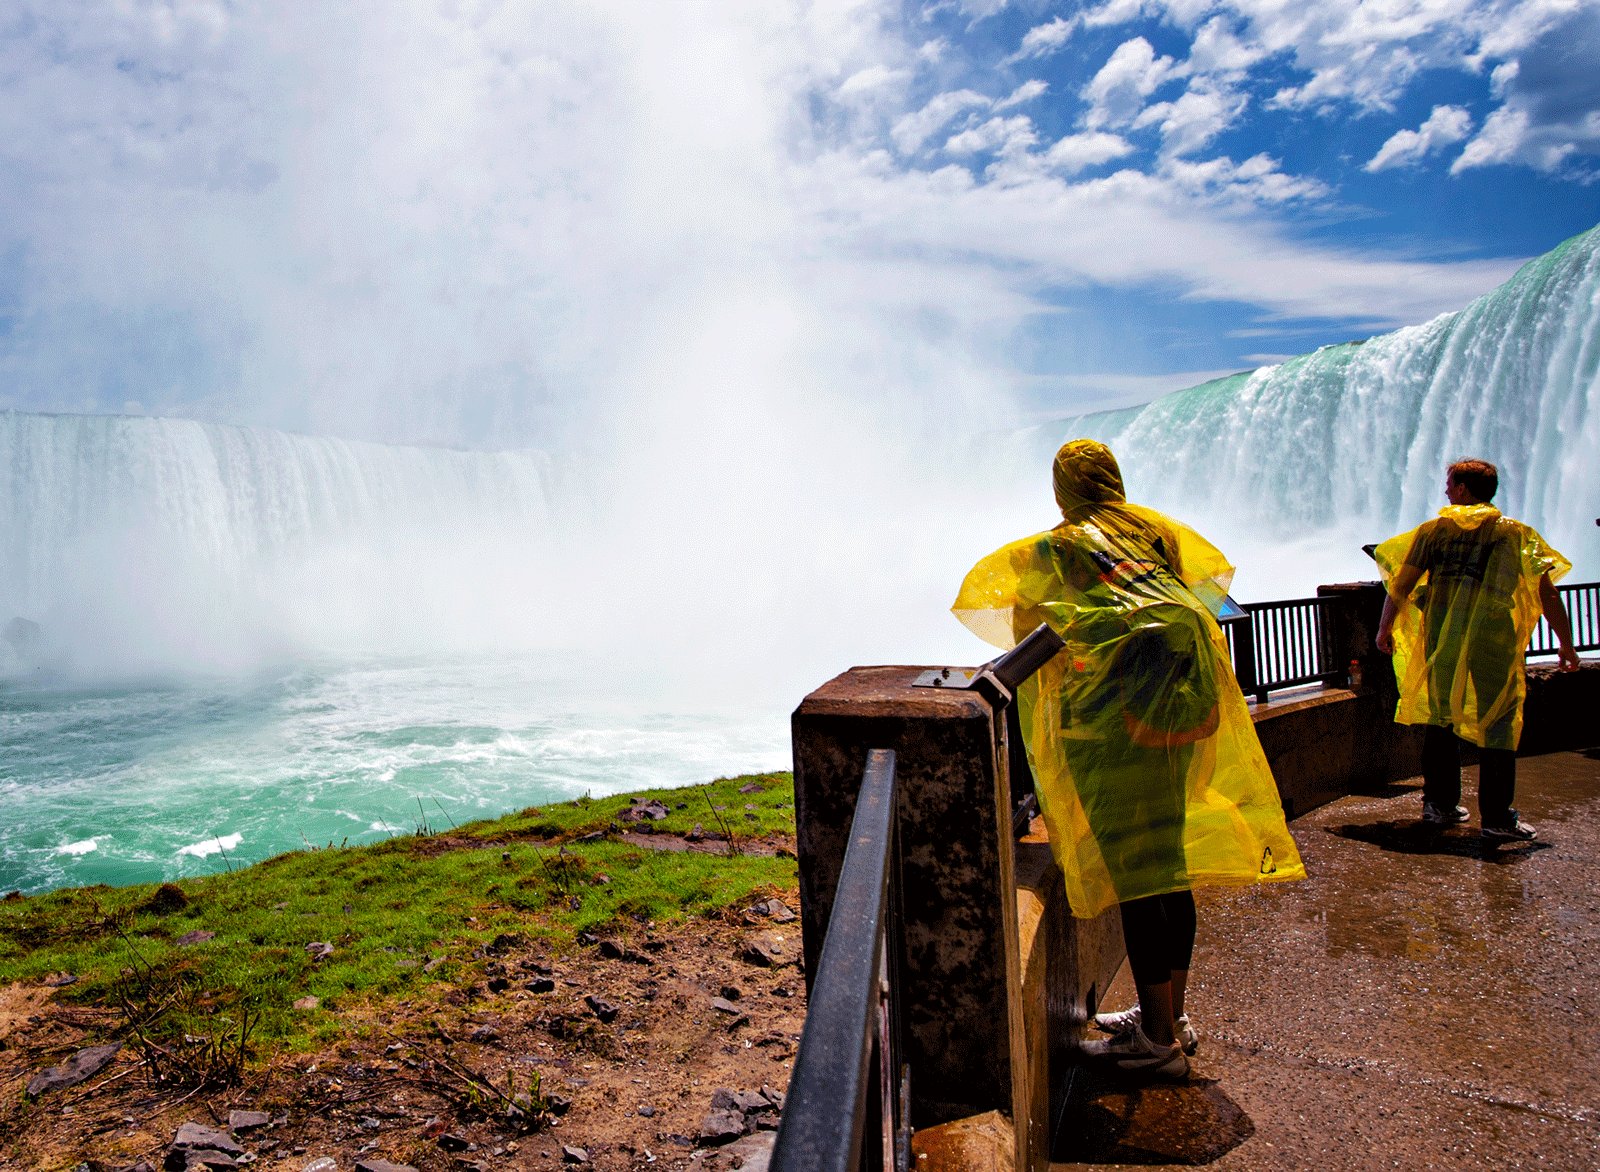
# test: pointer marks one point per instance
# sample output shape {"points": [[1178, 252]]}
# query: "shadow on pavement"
{"points": [[1411, 837], [1113, 1118]]}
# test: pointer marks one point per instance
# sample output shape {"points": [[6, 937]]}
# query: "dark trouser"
{"points": [[1441, 776], [1159, 933]]}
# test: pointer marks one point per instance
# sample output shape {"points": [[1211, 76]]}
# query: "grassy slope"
{"points": [[388, 910]]}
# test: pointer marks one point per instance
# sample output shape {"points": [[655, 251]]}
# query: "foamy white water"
{"points": [[137, 782]]}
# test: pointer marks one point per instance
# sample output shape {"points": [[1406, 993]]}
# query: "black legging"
{"points": [[1159, 933]]}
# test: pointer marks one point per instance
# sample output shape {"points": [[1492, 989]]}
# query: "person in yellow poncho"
{"points": [[1464, 593], [1149, 773]]}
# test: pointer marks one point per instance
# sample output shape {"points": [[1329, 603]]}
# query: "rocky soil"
{"points": [[668, 1049]]}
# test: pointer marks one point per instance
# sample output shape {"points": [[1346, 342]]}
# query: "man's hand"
{"points": [[1385, 641]]}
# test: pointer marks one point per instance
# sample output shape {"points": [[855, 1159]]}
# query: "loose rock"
{"points": [[247, 1120], [198, 936], [721, 1126], [85, 1064], [196, 1135], [601, 1008], [319, 950]]}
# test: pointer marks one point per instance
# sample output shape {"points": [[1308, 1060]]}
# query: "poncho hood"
{"points": [[1086, 473]]}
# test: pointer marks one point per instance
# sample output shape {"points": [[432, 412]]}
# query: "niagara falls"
{"points": [[390, 440], [252, 641]]}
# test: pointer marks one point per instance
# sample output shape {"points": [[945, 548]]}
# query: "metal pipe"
{"points": [[824, 1112], [1027, 657]]}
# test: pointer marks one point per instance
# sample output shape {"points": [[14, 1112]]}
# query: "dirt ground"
{"points": [[430, 1087]]}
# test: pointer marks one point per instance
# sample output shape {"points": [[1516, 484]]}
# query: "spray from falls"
{"points": [[142, 544]]}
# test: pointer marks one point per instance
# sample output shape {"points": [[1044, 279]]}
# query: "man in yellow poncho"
{"points": [[1149, 773], [1464, 593]]}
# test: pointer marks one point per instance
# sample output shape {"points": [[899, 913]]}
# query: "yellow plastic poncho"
{"points": [[1466, 591], [1148, 769]]}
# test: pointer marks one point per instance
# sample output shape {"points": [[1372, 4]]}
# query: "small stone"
{"points": [[752, 787], [382, 1166], [572, 1155], [198, 936], [498, 984], [191, 1159], [484, 1033], [453, 1141], [732, 992], [721, 1126], [776, 910], [195, 1135], [85, 1064], [247, 1120], [647, 1111], [319, 950], [60, 980], [722, 1005], [605, 1010], [307, 1002], [434, 963], [541, 985], [766, 951]]}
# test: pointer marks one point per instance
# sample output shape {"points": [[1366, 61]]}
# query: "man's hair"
{"points": [[1479, 477]]}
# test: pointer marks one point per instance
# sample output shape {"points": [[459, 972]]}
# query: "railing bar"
{"points": [[823, 1117]]}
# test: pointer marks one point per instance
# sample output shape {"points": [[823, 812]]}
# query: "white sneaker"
{"points": [[1124, 1020], [1134, 1052]]}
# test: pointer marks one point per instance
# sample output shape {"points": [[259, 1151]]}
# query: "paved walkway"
{"points": [[1422, 1001]]}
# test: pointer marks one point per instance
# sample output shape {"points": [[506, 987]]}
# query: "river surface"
{"points": [[156, 779]]}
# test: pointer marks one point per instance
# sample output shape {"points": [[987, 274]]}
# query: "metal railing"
{"points": [[850, 1018], [1583, 607], [1285, 644], [1280, 645]]}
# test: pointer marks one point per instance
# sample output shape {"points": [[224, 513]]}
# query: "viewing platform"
{"points": [[1424, 1000]]}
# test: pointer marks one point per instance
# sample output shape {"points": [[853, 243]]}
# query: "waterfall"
{"points": [[139, 540], [1354, 438]]}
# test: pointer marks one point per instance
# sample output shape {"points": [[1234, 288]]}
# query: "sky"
{"points": [[587, 222]]}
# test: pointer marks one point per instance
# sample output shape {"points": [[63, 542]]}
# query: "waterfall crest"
{"points": [[1357, 435], [155, 533]]}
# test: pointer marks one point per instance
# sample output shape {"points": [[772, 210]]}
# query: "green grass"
{"points": [[389, 909]]}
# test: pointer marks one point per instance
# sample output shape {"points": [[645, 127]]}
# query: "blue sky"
{"points": [[489, 224]]}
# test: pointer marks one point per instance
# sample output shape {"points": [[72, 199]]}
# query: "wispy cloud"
{"points": [[1445, 126]]}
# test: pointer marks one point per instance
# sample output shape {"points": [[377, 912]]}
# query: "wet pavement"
{"points": [[1424, 1000]]}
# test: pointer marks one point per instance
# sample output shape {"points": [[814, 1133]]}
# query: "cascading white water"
{"points": [[153, 542], [1302, 462]]}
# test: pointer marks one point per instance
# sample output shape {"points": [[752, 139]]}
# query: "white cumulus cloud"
{"points": [[1044, 39], [1078, 152], [1445, 126], [1118, 91]]}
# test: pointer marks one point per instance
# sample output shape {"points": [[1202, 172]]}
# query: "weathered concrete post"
{"points": [[958, 969], [993, 970]]}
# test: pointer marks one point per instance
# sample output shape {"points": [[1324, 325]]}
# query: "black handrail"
{"points": [[825, 1111], [1284, 644]]}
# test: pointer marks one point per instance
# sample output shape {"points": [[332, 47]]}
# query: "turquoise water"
{"points": [[159, 779]]}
